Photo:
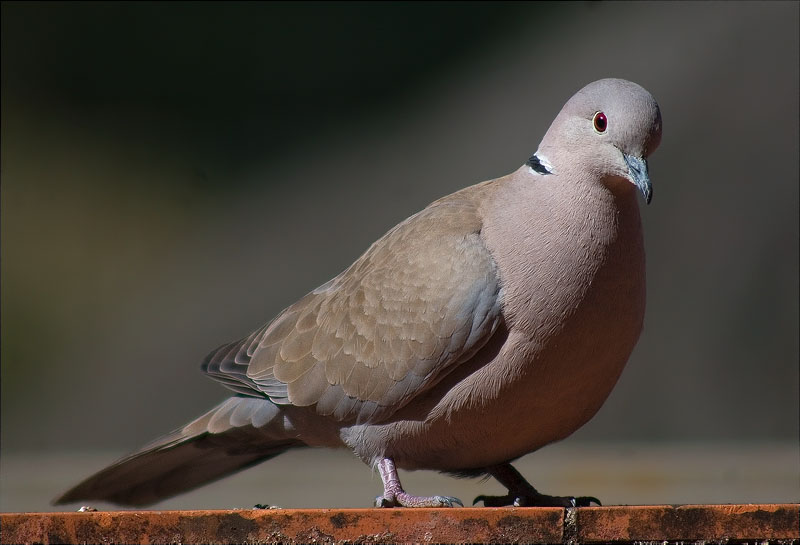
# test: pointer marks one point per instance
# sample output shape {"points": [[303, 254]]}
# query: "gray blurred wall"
{"points": [[173, 175]]}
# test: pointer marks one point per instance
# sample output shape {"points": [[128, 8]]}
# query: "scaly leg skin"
{"points": [[522, 494], [395, 496]]}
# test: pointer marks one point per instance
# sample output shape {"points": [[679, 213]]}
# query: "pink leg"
{"points": [[395, 496]]}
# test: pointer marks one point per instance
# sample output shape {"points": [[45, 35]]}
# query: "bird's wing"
{"points": [[421, 300]]}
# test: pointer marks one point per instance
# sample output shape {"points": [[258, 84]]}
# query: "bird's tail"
{"points": [[239, 433]]}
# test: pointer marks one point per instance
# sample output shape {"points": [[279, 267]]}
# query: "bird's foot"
{"points": [[404, 499], [536, 500], [522, 494], [395, 496]]}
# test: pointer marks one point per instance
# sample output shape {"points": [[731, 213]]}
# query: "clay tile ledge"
{"points": [[771, 523]]}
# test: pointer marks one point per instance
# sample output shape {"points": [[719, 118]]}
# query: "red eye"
{"points": [[600, 122]]}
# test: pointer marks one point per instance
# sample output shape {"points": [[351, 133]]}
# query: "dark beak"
{"points": [[637, 168]]}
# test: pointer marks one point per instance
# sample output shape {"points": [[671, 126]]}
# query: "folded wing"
{"points": [[420, 301]]}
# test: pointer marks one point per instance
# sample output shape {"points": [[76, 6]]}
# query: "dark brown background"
{"points": [[173, 175]]}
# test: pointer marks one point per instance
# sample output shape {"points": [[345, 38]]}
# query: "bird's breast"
{"points": [[573, 290]]}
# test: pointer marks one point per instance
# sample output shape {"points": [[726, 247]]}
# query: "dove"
{"points": [[493, 322]]}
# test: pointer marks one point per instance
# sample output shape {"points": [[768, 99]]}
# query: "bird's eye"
{"points": [[600, 122]]}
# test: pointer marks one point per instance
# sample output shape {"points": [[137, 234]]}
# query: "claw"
{"points": [[585, 501], [449, 501]]}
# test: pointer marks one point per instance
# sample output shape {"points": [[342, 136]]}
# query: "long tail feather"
{"points": [[233, 436]]}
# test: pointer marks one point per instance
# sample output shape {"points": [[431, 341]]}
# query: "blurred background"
{"points": [[174, 174]]}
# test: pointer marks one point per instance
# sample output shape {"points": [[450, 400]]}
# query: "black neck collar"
{"points": [[536, 164]]}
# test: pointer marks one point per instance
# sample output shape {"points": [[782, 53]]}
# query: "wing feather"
{"points": [[417, 303]]}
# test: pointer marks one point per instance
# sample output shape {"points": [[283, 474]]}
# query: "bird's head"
{"points": [[609, 127]]}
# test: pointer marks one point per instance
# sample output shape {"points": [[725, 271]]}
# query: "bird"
{"points": [[493, 322]]}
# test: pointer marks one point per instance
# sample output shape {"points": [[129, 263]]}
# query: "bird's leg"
{"points": [[522, 494], [395, 496]]}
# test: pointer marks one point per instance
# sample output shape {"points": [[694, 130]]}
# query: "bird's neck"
{"points": [[551, 232]]}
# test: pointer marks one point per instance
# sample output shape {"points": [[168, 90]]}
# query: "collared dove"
{"points": [[493, 322]]}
